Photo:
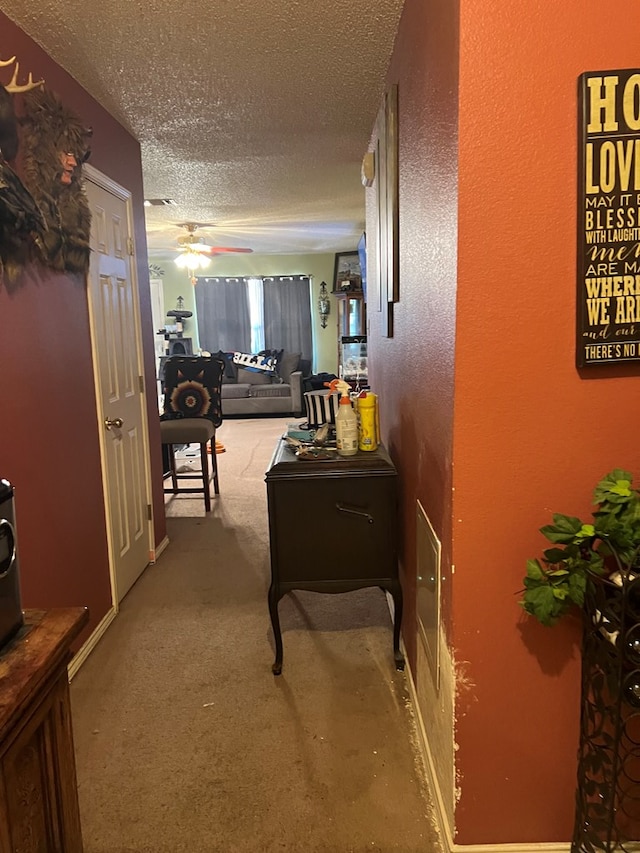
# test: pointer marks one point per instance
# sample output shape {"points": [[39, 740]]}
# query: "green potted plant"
{"points": [[594, 566], [607, 547]]}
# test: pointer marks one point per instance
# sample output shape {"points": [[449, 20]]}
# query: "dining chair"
{"points": [[192, 411]]}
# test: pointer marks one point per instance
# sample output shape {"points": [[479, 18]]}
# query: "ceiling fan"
{"points": [[194, 244], [195, 254]]}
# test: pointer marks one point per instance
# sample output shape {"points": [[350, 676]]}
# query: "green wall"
{"points": [[176, 283]]}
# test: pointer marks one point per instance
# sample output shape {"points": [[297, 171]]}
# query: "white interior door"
{"points": [[113, 304]]}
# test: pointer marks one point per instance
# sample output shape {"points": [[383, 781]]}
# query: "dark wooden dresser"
{"points": [[38, 793], [332, 528]]}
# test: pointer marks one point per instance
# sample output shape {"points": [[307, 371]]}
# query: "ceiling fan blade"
{"points": [[218, 249], [190, 243]]}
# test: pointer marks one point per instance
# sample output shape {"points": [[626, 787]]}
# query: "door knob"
{"points": [[116, 422]]}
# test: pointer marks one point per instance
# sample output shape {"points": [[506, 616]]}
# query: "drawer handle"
{"points": [[343, 508]]}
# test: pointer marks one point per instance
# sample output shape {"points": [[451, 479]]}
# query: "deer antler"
{"points": [[14, 86]]}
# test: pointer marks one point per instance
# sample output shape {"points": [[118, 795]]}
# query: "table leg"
{"points": [[275, 624], [396, 593]]}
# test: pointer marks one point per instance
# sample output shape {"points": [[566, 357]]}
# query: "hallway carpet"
{"points": [[185, 741]]}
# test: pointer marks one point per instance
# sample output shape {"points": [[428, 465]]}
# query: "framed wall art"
{"points": [[391, 140], [387, 258], [347, 273], [608, 275]]}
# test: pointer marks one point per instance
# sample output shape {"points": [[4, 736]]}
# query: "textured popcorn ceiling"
{"points": [[252, 115]]}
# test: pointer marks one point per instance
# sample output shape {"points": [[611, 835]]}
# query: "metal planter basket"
{"points": [[608, 791]]}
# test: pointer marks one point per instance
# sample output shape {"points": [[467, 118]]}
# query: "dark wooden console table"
{"points": [[351, 544], [38, 792]]}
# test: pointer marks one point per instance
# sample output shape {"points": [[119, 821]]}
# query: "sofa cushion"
{"points": [[235, 391], [305, 367], [186, 430], [262, 391], [288, 363], [251, 378]]}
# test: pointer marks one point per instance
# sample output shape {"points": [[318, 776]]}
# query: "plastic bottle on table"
{"points": [[368, 421], [346, 420]]}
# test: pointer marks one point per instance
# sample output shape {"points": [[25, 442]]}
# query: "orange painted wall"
{"points": [[532, 434], [48, 428], [492, 427]]}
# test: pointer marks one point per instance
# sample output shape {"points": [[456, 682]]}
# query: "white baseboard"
{"points": [[88, 646], [153, 555], [440, 814], [510, 848]]}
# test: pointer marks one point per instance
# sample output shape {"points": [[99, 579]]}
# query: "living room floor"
{"points": [[185, 741]]}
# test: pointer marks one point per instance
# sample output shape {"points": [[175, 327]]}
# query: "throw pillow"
{"points": [[255, 362], [273, 353], [230, 370]]}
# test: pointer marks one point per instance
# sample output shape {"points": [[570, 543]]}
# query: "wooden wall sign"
{"points": [[608, 309]]}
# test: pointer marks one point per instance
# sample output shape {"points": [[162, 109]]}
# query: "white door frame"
{"points": [[106, 183], [158, 318]]}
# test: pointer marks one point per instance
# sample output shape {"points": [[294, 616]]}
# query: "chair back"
{"points": [[192, 388]]}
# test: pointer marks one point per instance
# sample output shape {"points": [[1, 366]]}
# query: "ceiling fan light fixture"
{"points": [[192, 260]]}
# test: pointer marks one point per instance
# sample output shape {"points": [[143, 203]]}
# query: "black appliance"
{"points": [[11, 618]]}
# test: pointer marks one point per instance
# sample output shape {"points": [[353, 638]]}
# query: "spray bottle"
{"points": [[368, 429], [346, 420]]}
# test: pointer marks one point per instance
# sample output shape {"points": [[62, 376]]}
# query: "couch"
{"points": [[251, 391]]}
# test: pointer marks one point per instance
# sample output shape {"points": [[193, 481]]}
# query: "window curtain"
{"points": [[222, 306], [287, 314], [256, 312]]}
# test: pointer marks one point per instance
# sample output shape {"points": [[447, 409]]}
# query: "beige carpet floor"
{"points": [[185, 741]]}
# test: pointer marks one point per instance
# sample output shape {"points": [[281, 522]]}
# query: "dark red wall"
{"points": [[417, 412], [49, 444]]}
